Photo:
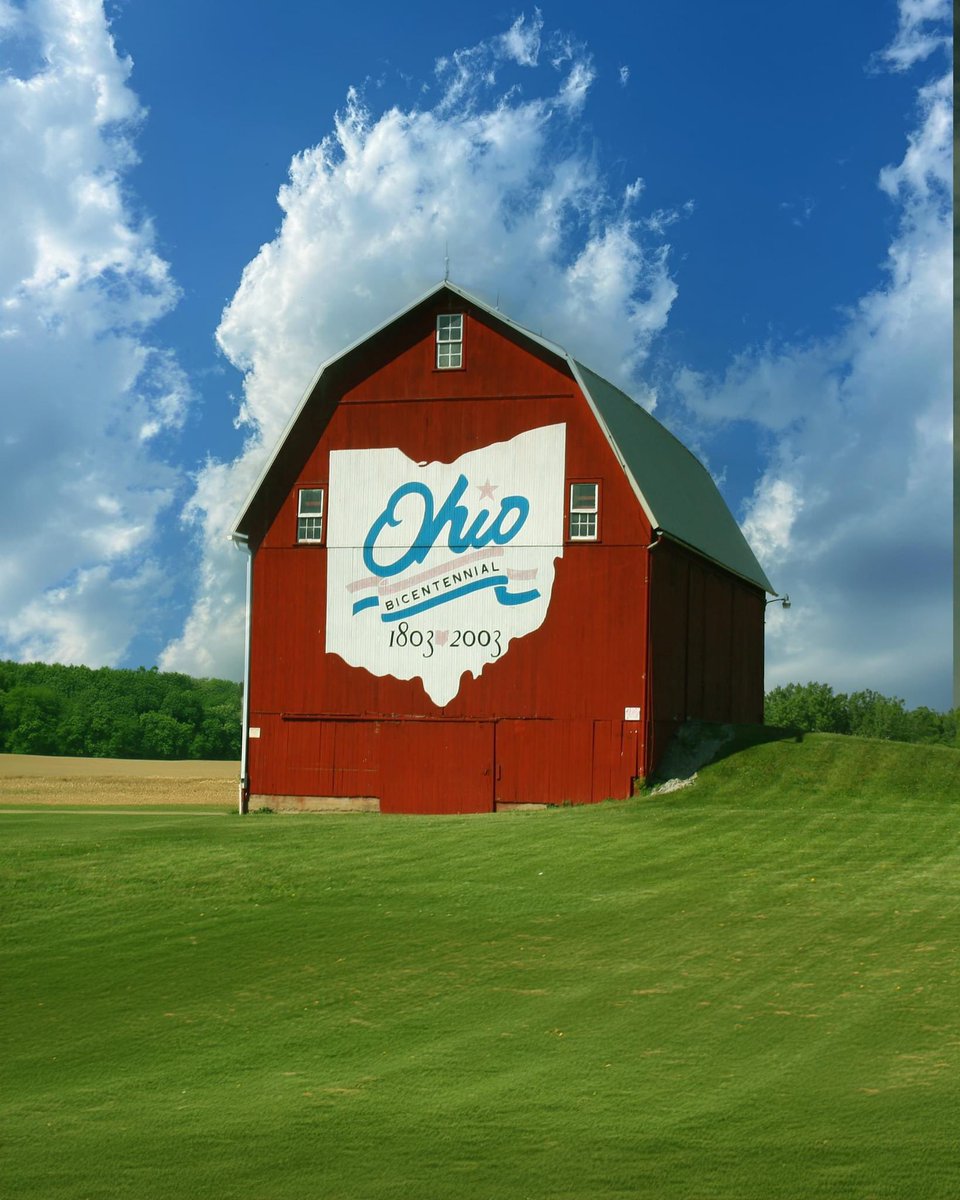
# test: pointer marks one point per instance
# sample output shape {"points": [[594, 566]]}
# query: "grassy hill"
{"points": [[748, 988]]}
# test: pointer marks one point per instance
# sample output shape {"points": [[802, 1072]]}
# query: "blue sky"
{"points": [[739, 212]]}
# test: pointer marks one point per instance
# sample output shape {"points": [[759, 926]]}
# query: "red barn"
{"points": [[482, 576]]}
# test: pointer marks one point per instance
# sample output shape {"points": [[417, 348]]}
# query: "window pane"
{"points": [[450, 341], [311, 500], [449, 329], [310, 515], [309, 529], [583, 497], [583, 526]]}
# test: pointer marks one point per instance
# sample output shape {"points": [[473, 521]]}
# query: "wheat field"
{"points": [[36, 779]]}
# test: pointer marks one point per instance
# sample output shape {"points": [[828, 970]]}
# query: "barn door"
{"points": [[544, 762], [310, 757], [436, 766], [558, 762]]}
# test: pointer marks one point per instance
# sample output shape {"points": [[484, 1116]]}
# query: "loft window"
{"points": [[310, 515], [584, 511], [449, 341]]}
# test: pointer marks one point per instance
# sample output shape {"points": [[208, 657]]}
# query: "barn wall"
{"points": [[706, 638], [547, 719]]}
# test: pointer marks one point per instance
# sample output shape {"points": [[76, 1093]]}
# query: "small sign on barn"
{"points": [[481, 576]]}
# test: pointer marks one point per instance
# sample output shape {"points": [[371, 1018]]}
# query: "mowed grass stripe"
{"points": [[744, 989]]}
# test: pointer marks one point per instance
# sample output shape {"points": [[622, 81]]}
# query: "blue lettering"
{"points": [[452, 516], [518, 504]]}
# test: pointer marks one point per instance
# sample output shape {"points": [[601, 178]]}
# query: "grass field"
{"points": [[745, 989]]}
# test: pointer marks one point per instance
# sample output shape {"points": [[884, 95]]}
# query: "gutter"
{"points": [[242, 542]]}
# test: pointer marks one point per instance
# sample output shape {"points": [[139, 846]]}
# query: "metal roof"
{"points": [[674, 487], [675, 490]]}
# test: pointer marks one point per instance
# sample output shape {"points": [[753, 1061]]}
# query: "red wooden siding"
{"points": [[579, 663], [552, 762], [315, 758], [437, 766], [440, 766]]}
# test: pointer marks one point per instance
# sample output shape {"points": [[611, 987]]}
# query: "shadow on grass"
{"points": [[698, 743]]}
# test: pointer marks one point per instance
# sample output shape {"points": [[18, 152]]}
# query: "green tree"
{"points": [[57, 709], [812, 707], [164, 737], [29, 717], [877, 716]]}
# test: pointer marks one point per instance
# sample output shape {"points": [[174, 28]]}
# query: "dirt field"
{"points": [[41, 779]]}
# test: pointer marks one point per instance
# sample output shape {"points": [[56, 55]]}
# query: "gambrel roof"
{"points": [[676, 491]]}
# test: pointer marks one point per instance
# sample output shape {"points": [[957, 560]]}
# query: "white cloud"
{"points": [[83, 392], [853, 513], [915, 39], [92, 617], [521, 42], [573, 93], [776, 506], [489, 172]]}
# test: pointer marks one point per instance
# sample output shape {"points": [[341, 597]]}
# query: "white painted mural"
{"points": [[433, 569]]}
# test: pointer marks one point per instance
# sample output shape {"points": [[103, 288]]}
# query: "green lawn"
{"points": [[749, 988]]}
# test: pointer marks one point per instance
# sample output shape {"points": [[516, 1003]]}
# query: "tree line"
{"points": [[816, 708], [48, 708]]}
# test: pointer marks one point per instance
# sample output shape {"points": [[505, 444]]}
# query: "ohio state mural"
{"points": [[434, 568]]}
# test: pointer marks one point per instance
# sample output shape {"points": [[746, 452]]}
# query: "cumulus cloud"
{"points": [[85, 395], [852, 515], [492, 173], [93, 617]]}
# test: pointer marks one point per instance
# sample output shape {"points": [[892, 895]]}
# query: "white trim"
{"points": [[302, 516], [241, 542], [591, 510], [446, 345]]}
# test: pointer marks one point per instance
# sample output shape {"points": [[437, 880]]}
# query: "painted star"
{"points": [[487, 489]]}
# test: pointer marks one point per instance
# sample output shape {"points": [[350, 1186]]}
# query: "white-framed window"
{"points": [[310, 515], [584, 511], [449, 341]]}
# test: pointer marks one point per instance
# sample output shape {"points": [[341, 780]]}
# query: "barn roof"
{"points": [[674, 488]]}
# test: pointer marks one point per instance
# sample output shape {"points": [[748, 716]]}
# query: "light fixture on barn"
{"points": [[783, 601]]}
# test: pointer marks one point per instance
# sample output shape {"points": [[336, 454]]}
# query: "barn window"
{"points": [[584, 511], [310, 515], [449, 341]]}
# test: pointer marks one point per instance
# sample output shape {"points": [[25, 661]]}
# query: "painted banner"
{"points": [[434, 568]]}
